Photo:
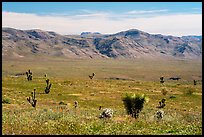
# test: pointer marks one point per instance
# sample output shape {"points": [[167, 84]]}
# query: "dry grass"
{"points": [[183, 113]]}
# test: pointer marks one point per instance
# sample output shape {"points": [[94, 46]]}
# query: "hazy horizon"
{"points": [[72, 18]]}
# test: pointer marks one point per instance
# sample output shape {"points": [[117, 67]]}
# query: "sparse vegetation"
{"points": [[182, 115]]}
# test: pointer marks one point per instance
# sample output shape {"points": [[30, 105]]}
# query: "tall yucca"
{"points": [[134, 104]]}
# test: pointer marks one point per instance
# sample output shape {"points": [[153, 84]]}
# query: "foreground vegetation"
{"points": [[55, 112]]}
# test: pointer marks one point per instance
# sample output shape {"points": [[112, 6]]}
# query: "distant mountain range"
{"points": [[128, 44]]}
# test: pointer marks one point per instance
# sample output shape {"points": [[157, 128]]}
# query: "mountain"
{"points": [[193, 37], [126, 44], [87, 33]]}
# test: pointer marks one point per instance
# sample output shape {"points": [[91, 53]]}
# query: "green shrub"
{"points": [[134, 104], [6, 101]]}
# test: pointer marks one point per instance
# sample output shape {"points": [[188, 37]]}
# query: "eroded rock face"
{"points": [[126, 44]]}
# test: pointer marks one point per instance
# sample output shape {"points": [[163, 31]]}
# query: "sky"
{"points": [[167, 18]]}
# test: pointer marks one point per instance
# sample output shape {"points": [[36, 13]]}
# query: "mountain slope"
{"points": [[126, 44]]}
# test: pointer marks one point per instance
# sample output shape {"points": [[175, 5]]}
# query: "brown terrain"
{"points": [[128, 44]]}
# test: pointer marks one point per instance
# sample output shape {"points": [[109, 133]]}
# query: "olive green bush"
{"points": [[134, 104]]}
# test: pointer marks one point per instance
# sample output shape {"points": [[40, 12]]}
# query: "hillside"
{"points": [[128, 44]]}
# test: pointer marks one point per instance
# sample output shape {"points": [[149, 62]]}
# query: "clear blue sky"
{"points": [[59, 7]]}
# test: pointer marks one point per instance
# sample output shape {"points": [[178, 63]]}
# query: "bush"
{"points": [[164, 91], [134, 104], [159, 114], [6, 101], [172, 96], [107, 113], [62, 103]]}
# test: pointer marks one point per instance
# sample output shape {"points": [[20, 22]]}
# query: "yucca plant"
{"points": [[32, 100], [194, 82], [47, 89], [161, 80], [29, 75], [134, 104], [91, 76], [162, 103]]}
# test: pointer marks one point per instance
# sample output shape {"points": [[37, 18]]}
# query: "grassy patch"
{"points": [[6, 101], [55, 112]]}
